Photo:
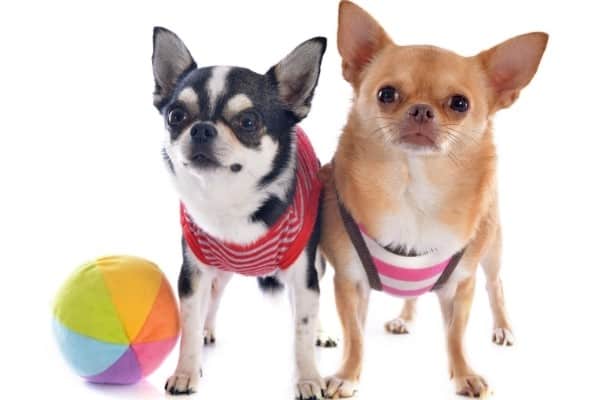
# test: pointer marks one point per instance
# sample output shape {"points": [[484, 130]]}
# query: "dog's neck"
{"points": [[236, 210]]}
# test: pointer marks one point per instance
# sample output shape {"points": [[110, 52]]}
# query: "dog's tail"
{"points": [[270, 285]]}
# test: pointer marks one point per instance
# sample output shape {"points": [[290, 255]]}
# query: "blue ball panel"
{"points": [[87, 356]]}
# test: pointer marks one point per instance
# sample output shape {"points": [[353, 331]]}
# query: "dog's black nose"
{"points": [[203, 132], [421, 113]]}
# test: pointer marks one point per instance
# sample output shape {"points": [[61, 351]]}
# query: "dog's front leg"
{"points": [[303, 285], [352, 300], [195, 283], [455, 310]]}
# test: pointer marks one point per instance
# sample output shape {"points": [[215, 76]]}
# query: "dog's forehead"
{"points": [[214, 90], [424, 69], [425, 57]]}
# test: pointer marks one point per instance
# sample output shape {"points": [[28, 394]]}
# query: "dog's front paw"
{"points": [[471, 386], [398, 326], [310, 389], [503, 337], [182, 383], [338, 387]]}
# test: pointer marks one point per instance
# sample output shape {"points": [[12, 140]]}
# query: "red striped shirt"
{"points": [[285, 240]]}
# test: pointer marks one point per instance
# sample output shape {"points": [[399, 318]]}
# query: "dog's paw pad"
{"points": [[182, 383], [324, 340], [503, 337], [398, 326], [209, 337], [471, 386], [340, 388], [310, 389]]}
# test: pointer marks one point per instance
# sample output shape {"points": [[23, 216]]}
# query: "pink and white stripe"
{"points": [[406, 276]]}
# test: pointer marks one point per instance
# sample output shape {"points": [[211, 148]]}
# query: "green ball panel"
{"points": [[84, 305]]}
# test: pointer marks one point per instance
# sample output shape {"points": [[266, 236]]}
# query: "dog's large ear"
{"points": [[297, 75], [170, 61], [511, 65], [360, 38]]}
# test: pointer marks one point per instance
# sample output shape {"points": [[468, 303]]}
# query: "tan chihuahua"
{"points": [[411, 203]]}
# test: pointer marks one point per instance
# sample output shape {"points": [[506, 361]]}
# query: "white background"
{"points": [[81, 176]]}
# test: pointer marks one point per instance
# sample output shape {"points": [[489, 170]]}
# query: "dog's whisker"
{"points": [[384, 128], [457, 138]]}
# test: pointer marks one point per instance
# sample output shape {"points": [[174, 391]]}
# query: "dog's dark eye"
{"points": [[249, 121], [387, 95], [459, 103], [176, 116]]}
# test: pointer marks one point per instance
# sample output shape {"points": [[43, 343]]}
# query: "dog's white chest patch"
{"points": [[416, 225]]}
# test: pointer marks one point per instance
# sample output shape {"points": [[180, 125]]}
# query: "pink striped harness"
{"points": [[398, 275]]}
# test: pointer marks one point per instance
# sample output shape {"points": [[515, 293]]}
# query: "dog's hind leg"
{"points": [[218, 287], [491, 263], [403, 323], [324, 339]]}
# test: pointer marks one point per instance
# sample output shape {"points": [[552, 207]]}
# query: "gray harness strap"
{"points": [[360, 246], [448, 270]]}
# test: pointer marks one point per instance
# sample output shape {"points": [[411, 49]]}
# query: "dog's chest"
{"points": [[222, 207], [415, 224]]}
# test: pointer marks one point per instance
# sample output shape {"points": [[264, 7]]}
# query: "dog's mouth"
{"points": [[201, 158], [419, 140]]}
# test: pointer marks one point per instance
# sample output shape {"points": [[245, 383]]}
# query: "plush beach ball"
{"points": [[116, 319]]}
